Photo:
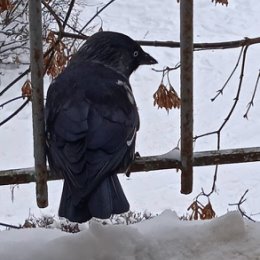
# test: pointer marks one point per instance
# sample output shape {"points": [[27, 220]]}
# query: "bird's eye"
{"points": [[135, 53]]}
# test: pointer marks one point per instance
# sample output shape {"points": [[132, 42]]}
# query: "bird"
{"points": [[91, 121]]}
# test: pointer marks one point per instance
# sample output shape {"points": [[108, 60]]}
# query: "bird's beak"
{"points": [[147, 59]]}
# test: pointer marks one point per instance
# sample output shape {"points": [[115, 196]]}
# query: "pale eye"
{"points": [[136, 54]]}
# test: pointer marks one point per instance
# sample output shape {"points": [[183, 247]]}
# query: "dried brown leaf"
{"points": [[207, 212], [27, 89]]}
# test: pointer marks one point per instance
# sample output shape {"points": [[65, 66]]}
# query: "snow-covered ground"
{"points": [[164, 237]]}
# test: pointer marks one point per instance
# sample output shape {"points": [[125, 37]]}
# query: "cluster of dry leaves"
{"points": [[200, 211], [166, 98], [5, 5], [56, 61]]}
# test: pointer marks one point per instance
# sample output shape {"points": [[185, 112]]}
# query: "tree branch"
{"points": [[251, 103], [241, 201], [55, 16], [72, 2], [234, 104], [97, 14], [14, 81], [9, 101], [14, 113], [9, 226], [220, 91]]}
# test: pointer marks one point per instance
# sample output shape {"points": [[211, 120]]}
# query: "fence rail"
{"points": [[187, 159], [151, 163]]}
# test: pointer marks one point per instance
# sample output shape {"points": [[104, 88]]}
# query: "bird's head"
{"points": [[115, 50]]}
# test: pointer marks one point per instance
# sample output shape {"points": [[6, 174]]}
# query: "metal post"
{"points": [[36, 59], [186, 52]]}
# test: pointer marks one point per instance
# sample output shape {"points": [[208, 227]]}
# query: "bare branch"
{"points": [[218, 132], [92, 18], [15, 112], [68, 14], [14, 81], [55, 16], [9, 226], [234, 104], [251, 103], [241, 201], [167, 69], [10, 101], [220, 91], [97, 14], [238, 90]]}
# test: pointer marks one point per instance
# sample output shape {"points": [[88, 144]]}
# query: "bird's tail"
{"points": [[107, 199]]}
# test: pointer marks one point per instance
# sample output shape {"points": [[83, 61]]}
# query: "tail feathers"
{"points": [[106, 200], [71, 211]]}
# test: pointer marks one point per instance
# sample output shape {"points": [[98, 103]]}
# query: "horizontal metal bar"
{"points": [[175, 44], [151, 163]]}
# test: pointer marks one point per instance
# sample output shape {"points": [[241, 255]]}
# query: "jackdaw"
{"points": [[91, 124]]}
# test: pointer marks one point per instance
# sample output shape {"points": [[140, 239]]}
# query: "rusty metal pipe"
{"points": [[36, 59], [186, 53]]}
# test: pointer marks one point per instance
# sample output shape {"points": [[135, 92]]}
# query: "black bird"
{"points": [[91, 125]]}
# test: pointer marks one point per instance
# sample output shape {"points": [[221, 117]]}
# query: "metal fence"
{"points": [[40, 174]]}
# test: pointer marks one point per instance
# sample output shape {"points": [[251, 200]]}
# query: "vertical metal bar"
{"points": [[36, 59], [186, 53]]}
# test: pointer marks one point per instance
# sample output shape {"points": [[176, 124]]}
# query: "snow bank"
{"points": [[163, 237]]}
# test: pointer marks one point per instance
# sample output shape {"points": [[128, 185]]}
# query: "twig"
{"points": [[14, 81], [15, 112], [213, 188], [96, 14], [9, 101], [55, 16], [168, 69], [220, 91], [58, 20], [251, 103], [218, 132], [61, 23], [72, 2], [10, 226], [92, 18], [238, 90], [233, 106], [27, 70], [241, 201]]}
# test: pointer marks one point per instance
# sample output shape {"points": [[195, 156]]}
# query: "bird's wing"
{"points": [[91, 120]]}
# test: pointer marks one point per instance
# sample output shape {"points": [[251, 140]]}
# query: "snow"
{"points": [[165, 236]]}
